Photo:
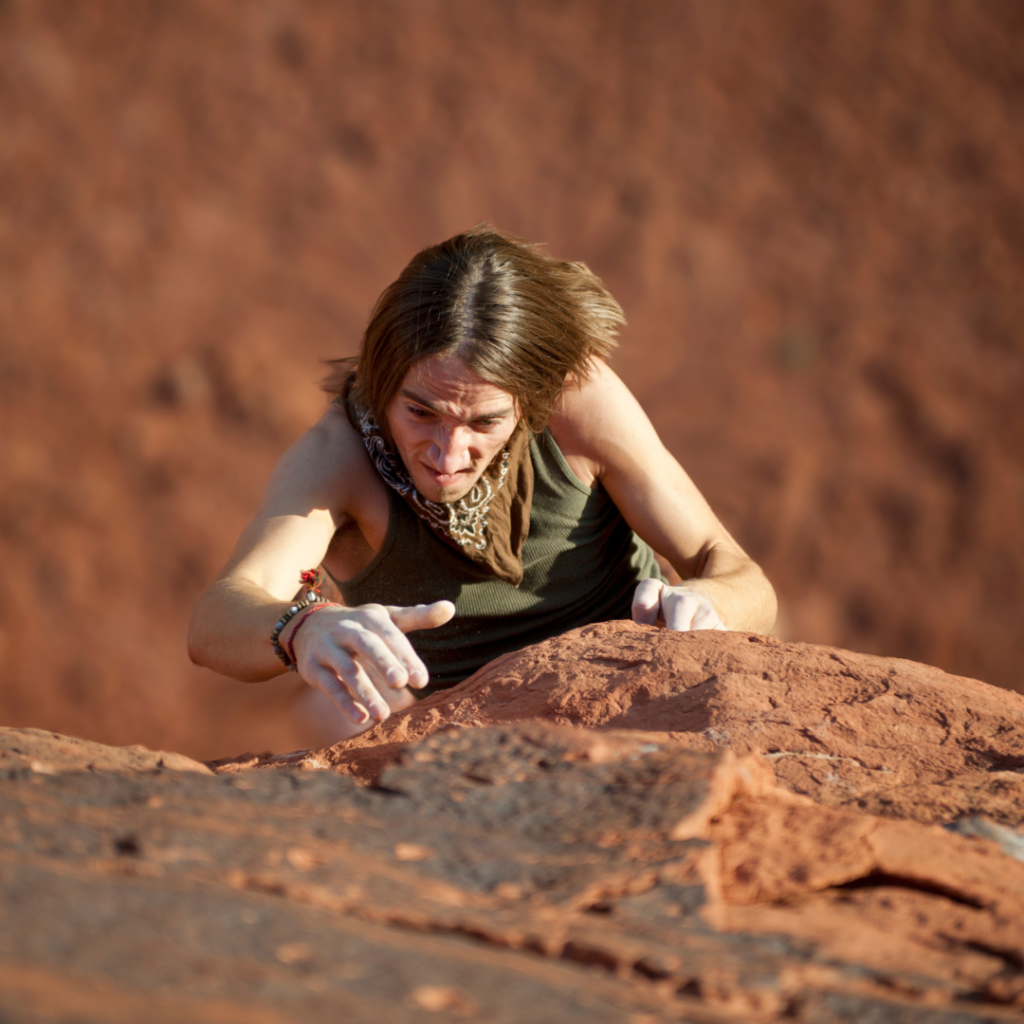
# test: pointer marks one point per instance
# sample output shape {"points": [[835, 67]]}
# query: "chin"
{"points": [[446, 495]]}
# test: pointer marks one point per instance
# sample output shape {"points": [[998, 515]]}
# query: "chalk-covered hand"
{"points": [[357, 655], [677, 607]]}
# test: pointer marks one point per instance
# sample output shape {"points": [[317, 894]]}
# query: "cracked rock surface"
{"points": [[621, 824], [884, 735]]}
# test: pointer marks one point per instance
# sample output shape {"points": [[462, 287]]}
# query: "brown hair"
{"points": [[521, 319]]}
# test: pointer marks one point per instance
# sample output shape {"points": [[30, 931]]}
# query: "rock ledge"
{"points": [[621, 824]]}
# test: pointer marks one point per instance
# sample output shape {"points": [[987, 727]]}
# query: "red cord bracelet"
{"points": [[319, 606]]}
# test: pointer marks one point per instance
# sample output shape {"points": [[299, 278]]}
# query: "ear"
{"points": [[520, 411]]}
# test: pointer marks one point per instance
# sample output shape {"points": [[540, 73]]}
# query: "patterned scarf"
{"points": [[490, 524]]}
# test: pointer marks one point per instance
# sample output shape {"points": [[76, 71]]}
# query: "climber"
{"points": [[481, 480]]}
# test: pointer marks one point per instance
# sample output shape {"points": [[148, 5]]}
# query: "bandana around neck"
{"points": [[490, 524]]}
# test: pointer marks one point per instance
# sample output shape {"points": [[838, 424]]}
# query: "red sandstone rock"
{"points": [[48, 753], [592, 827], [894, 737], [929, 901]]}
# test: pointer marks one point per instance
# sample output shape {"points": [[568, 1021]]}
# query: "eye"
{"points": [[418, 412]]}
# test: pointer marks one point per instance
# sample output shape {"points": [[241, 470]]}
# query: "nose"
{"points": [[449, 451]]}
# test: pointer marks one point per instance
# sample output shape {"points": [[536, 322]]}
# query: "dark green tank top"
{"points": [[581, 564]]}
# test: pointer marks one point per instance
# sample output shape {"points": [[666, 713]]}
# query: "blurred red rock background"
{"points": [[811, 211]]}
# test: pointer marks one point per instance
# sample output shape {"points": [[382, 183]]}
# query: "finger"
{"points": [[679, 607], [405, 620], [327, 682], [379, 619], [371, 649], [358, 683], [422, 616], [647, 601], [397, 697], [705, 619], [380, 682], [705, 616]]}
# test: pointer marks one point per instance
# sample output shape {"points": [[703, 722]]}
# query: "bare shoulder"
{"points": [[326, 468], [324, 482], [598, 422]]}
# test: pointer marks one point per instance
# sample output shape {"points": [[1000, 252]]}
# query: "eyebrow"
{"points": [[434, 407]]}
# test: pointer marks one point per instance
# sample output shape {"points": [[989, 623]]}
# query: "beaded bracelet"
{"points": [[293, 610], [290, 644]]}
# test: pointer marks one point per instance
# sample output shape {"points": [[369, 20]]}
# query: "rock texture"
{"points": [[49, 753], [622, 824], [884, 735]]}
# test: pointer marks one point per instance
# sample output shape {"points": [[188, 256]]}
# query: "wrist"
{"points": [[281, 625], [285, 628], [288, 634]]}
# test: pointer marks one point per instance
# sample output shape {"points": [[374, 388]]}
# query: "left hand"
{"points": [[678, 607]]}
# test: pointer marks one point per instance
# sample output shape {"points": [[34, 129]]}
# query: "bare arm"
{"points": [[353, 655], [233, 618], [607, 437]]}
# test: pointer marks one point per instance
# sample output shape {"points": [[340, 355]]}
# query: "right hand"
{"points": [[354, 655]]}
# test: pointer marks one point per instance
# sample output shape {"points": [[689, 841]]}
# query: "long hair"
{"points": [[516, 316]]}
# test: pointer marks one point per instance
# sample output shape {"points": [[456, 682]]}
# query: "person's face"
{"points": [[448, 424]]}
